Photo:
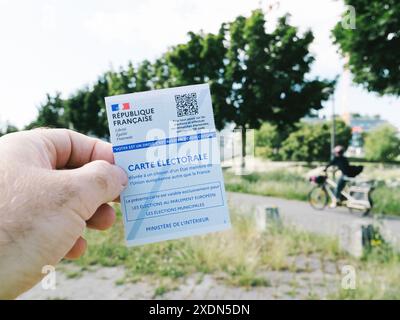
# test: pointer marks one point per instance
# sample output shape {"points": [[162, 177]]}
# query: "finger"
{"points": [[97, 182], [77, 250], [103, 218], [71, 149]]}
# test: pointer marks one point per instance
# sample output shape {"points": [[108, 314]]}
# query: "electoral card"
{"points": [[167, 143]]}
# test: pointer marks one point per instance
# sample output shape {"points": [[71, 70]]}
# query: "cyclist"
{"points": [[340, 161]]}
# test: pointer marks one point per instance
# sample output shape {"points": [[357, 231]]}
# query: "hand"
{"points": [[53, 183]]}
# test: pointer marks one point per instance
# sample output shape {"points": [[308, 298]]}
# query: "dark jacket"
{"points": [[342, 163]]}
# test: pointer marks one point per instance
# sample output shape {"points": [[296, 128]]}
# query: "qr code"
{"points": [[186, 104]]}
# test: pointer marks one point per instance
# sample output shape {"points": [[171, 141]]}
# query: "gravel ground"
{"points": [[312, 278]]}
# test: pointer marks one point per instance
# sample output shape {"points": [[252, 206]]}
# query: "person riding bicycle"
{"points": [[340, 161]]}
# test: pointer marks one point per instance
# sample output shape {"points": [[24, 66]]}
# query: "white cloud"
{"points": [[48, 19], [151, 26]]}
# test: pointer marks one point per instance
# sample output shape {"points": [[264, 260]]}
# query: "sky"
{"points": [[50, 46]]}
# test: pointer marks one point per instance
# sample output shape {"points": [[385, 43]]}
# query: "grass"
{"points": [[290, 184], [237, 254], [375, 279], [160, 291], [386, 200], [73, 274], [278, 183], [240, 257]]}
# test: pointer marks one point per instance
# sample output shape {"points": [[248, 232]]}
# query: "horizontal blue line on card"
{"points": [[161, 142]]}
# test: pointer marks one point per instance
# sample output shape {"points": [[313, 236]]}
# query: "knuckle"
{"points": [[63, 190], [102, 174]]}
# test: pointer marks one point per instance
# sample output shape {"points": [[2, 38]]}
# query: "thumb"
{"points": [[97, 182]]}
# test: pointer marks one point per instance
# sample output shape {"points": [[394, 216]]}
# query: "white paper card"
{"points": [[167, 143]]}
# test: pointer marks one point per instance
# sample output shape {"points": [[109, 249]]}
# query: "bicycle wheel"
{"points": [[318, 198]]}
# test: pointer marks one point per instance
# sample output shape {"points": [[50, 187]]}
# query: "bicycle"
{"points": [[355, 196]]}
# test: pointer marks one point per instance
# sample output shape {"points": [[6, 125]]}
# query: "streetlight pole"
{"points": [[331, 94], [333, 129]]}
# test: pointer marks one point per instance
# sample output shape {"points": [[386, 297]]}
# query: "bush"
{"points": [[268, 141], [382, 144], [311, 142], [8, 129]]}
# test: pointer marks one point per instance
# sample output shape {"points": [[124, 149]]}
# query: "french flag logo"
{"points": [[120, 106]]}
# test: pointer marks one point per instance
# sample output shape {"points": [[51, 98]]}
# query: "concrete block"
{"points": [[354, 237], [266, 216]]}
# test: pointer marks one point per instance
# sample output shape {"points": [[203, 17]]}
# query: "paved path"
{"points": [[301, 214]]}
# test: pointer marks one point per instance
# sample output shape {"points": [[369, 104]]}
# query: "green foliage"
{"points": [[382, 144], [268, 141], [85, 109], [254, 76], [386, 200], [311, 142], [51, 113], [376, 247], [373, 47], [242, 253], [277, 183], [8, 129], [266, 73], [200, 60], [304, 142]]}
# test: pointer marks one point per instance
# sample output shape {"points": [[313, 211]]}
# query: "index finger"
{"points": [[70, 149]]}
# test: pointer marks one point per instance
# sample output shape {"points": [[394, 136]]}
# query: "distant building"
{"points": [[314, 119], [360, 124]]}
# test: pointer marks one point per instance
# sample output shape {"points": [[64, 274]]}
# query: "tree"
{"points": [[9, 128], [86, 111], [254, 77], [268, 141], [311, 142], [120, 82], [373, 47], [143, 78], [266, 74], [382, 144], [200, 60], [51, 113]]}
